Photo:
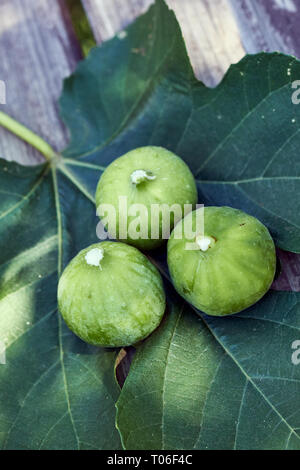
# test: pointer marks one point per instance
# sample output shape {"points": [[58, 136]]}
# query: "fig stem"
{"points": [[27, 135], [94, 257], [205, 243], [139, 176]]}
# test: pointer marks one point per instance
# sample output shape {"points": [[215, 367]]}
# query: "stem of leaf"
{"points": [[27, 135]]}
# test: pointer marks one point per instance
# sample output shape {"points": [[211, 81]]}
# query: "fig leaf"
{"points": [[211, 383], [56, 391]]}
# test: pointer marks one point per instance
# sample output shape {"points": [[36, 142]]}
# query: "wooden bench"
{"points": [[39, 49]]}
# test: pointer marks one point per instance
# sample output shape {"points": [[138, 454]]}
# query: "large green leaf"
{"points": [[240, 140], [209, 383], [56, 391]]}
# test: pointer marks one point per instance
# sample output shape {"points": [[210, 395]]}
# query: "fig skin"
{"points": [[117, 303], [170, 182], [235, 271]]}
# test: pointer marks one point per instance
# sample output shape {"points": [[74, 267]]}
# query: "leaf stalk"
{"points": [[27, 135]]}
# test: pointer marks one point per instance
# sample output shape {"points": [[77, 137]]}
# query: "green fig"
{"points": [[226, 268], [111, 295], [152, 177]]}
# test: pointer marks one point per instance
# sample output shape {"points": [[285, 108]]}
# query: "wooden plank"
{"points": [[38, 49], [271, 25], [208, 26], [108, 17]]}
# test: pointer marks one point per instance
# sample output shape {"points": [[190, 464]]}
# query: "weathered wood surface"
{"points": [[269, 25], [217, 32], [38, 50], [208, 26]]}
